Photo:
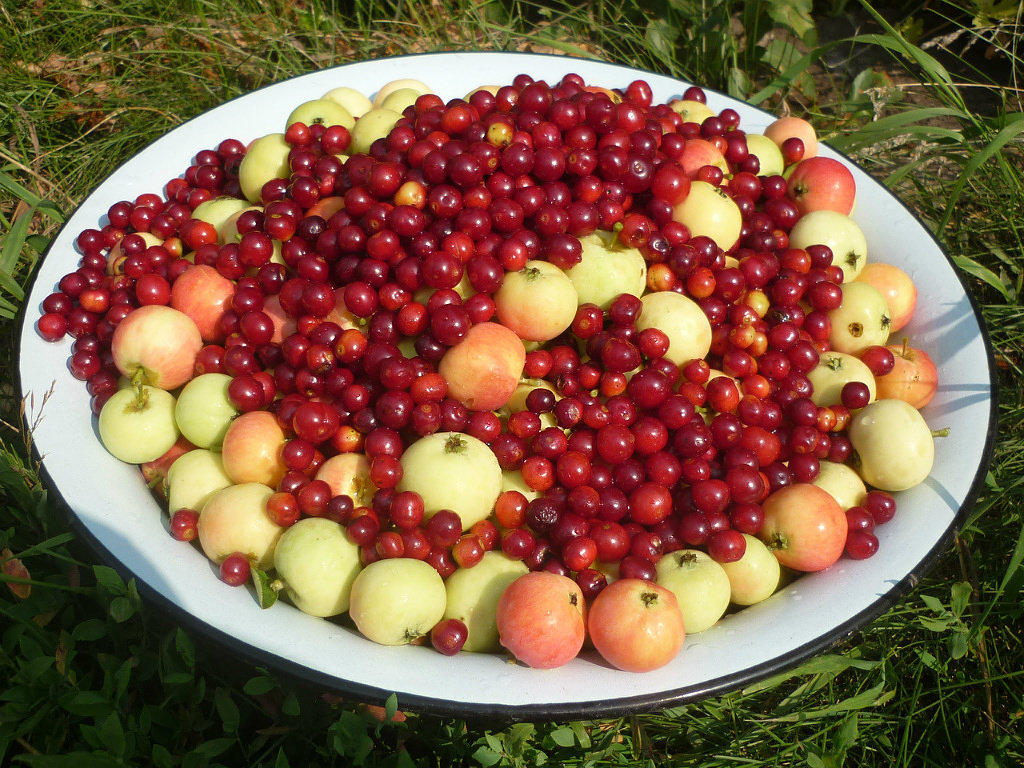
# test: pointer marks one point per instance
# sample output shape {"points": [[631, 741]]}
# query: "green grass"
{"points": [[91, 675]]}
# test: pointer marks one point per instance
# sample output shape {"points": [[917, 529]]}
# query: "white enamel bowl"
{"points": [[114, 509]]}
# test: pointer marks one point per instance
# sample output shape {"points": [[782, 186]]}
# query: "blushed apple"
{"points": [[914, 378], [700, 585], [896, 287], [397, 601], [204, 294], [682, 320], [700, 152], [348, 474], [538, 302], [136, 424], [804, 527], [482, 369], [157, 345], [204, 410], [318, 564], [155, 471], [193, 478], [636, 625], [794, 127], [452, 470], [710, 212], [234, 519], [252, 449], [607, 269], [473, 595], [542, 619]]}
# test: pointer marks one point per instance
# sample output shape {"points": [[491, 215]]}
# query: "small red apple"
{"points": [[203, 293], [794, 127], [636, 625], [821, 183], [483, 369], [251, 450], [804, 526], [541, 619]]}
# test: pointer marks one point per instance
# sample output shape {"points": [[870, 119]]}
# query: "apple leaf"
{"points": [[266, 588]]}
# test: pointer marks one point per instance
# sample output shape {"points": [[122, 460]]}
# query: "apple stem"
{"points": [[944, 432]]}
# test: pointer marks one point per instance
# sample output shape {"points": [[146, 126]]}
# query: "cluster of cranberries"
{"points": [[631, 455]]}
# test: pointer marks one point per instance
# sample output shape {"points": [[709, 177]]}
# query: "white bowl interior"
{"points": [[111, 501]]}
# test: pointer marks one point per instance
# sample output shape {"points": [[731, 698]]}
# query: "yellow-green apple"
{"points": [[755, 576], [354, 101], [251, 449], [157, 345], [894, 444], [136, 424], [538, 302], [700, 585], [397, 601], [821, 183], [204, 294], [833, 372], [606, 269], [804, 527], [473, 595], [482, 369], [452, 470], [405, 82], [636, 625], [219, 210], [896, 287], [401, 98], [768, 154], [710, 212], [840, 233], [317, 563], [234, 519], [325, 112], [193, 478], [266, 159], [682, 320], [914, 378], [542, 619], [204, 410], [861, 321], [842, 482], [348, 474], [375, 124], [691, 111], [116, 255]]}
